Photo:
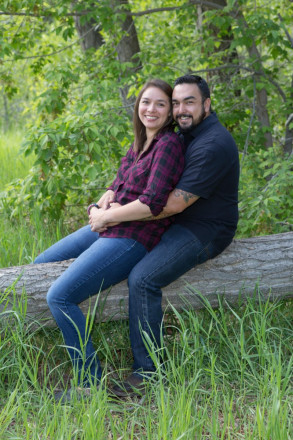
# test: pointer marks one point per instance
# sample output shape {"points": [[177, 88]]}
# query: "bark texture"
{"points": [[127, 48], [264, 263], [127, 52], [261, 94]]}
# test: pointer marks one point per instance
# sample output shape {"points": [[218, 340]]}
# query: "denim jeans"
{"points": [[178, 251], [100, 262]]}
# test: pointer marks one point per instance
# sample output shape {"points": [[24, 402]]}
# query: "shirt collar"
{"points": [[207, 122]]}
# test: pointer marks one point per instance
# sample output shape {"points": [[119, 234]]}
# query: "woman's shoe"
{"points": [[71, 394]]}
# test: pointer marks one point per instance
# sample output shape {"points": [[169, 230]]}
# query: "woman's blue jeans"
{"points": [[100, 263], [178, 251]]}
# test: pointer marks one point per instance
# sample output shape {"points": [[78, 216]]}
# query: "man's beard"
{"points": [[195, 122]]}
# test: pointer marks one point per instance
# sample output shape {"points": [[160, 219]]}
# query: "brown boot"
{"points": [[134, 385]]}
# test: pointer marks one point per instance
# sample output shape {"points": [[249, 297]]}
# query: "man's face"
{"points": [[188, 108]]}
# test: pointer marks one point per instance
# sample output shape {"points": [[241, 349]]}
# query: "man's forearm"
{"points": [[178, 201]]}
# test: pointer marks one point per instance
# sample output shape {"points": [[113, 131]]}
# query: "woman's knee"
{"points": [[39, 259], [53, 298], [50, 299]]}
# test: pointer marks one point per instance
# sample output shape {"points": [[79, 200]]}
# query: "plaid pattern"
{"points": [[149, 179]]}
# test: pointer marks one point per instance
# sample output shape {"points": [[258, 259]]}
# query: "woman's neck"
{"points": [[149, 138]]}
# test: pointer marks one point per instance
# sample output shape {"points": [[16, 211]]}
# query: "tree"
{"points": [[85, 62]]}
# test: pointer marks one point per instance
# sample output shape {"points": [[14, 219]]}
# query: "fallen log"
{"points": [[259, 264]]}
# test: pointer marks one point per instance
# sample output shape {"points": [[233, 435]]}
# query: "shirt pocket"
{"points": [[138, 175]]}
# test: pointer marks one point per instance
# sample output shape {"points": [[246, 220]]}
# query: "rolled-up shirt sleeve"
{"points": [[166, 168]]}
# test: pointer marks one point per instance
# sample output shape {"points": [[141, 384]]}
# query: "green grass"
{"points": [[228, 375], [13, 164], [228, 372]]}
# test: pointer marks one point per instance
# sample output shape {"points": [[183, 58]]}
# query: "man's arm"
{"points": [[177, 202]]}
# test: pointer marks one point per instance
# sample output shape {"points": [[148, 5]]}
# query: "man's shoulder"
{"points": [[212, 136]]}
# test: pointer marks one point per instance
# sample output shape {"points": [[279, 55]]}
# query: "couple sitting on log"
{"points": [[173, 205]]}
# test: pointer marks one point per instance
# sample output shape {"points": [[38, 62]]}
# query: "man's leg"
{"points": [[178, 251]]}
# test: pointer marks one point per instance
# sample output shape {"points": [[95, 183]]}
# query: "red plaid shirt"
{"points": [[150, 179]]}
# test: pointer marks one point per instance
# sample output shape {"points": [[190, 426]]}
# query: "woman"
{"points": [[148, 172]]}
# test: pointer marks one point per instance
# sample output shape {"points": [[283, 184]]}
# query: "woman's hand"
{"points": [[106, 199], [114, 205], [98, 220]]}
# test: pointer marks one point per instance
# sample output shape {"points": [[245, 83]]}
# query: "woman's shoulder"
{"points": [[169, 136]]}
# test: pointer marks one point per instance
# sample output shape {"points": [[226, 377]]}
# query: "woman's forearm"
{"points": [[132, 211], [99, 219]]}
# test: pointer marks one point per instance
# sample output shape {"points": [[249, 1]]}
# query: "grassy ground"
{"points": [[228, 373]]}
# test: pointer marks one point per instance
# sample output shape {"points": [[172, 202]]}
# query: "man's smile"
{"points": [[183, 117]]}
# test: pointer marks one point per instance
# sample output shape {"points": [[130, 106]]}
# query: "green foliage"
{"points": [[266, 194], [79, 125]]}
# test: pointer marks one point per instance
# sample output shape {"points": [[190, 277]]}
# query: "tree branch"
{"points": [[52, 53], [286, 31], [133, 14], [250, 123]]}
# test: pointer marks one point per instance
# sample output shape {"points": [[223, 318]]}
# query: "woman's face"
{"points": [[154, 109]]}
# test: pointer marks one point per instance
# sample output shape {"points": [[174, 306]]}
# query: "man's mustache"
{"points": [[183, 115]]}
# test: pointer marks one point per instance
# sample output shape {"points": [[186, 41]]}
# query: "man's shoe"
{"points": [[133, 385]]}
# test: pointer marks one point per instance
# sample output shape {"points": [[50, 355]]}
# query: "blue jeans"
{"points": [[178, 251], [100, 263]]}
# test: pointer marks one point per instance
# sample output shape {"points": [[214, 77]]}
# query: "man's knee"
{"points": [[135, 280]]}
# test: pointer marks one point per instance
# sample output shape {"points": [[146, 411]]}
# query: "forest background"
{"points": [[69, 75]]}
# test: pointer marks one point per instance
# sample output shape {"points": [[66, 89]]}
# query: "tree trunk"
{"points": [[288, 145], [224, 38], [127, 48], [90, 36], [88, 33], [229, 57], [246, 267], [261, 94], [127, 51]]}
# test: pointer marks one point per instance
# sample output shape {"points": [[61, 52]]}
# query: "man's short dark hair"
{"points": [[195, 79]]}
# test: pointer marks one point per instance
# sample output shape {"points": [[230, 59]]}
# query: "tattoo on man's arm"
{"points": [[186, 195]]}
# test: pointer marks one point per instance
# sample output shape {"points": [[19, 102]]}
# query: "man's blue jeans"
{"points": [[100, 263], [178, 251]]}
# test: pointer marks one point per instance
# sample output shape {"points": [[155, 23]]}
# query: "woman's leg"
{"points": [[106, 262], [69, 247]]}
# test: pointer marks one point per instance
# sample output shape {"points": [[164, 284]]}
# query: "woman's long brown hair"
{"points": [[138, 127]]}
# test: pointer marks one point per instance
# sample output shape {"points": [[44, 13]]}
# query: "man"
{"points": [[205, 202]]}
